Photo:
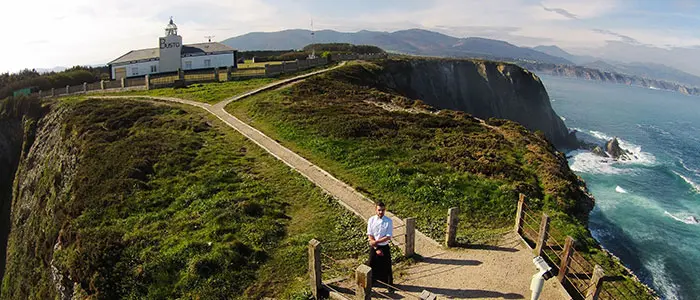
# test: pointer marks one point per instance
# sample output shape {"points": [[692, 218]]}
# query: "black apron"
{"points": [[381, 266]]}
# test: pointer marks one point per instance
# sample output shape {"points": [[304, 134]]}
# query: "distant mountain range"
{"points": [[430, 43], [412, 41]]}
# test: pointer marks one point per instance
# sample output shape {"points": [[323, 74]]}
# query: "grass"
{"points": [[206, 92], [420, 164], [167, 202], [423, 163], [214, 92]]}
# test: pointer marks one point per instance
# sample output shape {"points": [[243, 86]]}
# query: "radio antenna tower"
{"points": [[209, 37], [313, 47]]}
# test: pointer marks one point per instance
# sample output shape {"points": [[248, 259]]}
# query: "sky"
{"points": [[49, 33]]}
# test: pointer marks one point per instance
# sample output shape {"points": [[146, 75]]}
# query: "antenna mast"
{"points": [[313, 47]]}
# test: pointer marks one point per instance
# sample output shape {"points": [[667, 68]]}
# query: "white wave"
{"points": [[562, 118], [695, 186], [620, 190], [600, 135], [689, 169], [653, 88], [659, 274], [587, 162], [638, 156], [683, 218]]}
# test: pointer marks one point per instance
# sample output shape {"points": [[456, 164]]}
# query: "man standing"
{"points": [[379, 231]]}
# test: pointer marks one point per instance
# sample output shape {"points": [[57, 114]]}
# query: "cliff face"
{"points": [[611, 77], [483, 89]]}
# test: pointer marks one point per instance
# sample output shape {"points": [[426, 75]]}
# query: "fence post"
{"points": [[216, 74], [519, 216], [102, 84], [147, 81], [123, 82], [39, 93], [315, 268], [67, 89], [363, 282], [566, 258], [267, 70], [410, 244], [452, 222], [180, 74], [542, 238], [284, 66], [228, 73], [596, 283], [53, 92], [84, 87]]}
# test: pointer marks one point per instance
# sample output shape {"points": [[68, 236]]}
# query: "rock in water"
{"points": [[599, 151], [613, 148]]}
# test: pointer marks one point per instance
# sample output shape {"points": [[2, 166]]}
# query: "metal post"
{"points": [[123, 81], [363, 282], [84, 87], [452, 222], [102, 84], [410, 244], [542, 238], [315, 268], [566, 258], [67, 89], [228, 73], [216, 74], [180, 74], [519, 216], [596, 283]]}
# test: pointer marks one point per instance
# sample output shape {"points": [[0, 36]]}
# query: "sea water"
{"points": [[646, 209]]}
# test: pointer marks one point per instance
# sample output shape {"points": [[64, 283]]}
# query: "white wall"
{"points": [[217, 60], [143, 68]]}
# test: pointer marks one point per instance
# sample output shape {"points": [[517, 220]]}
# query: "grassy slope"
{"points": [[421, 164], [216, 91], [170, 203]]}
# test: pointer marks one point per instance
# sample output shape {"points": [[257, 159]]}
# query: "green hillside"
{"points": [[161, 202]]}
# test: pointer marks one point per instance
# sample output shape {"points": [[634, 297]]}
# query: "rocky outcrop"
{"points": [[604, 76], [43, 173], [613, 148], [481, 88]]}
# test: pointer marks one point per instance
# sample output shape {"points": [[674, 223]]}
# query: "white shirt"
{"points": [[379, 228]]}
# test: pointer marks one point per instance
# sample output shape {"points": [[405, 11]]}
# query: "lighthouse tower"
{"points": [[170, 49]]}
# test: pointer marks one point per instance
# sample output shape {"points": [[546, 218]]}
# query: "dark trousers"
{"points": [[381, 266]]}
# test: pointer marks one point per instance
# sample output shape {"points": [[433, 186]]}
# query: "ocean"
{"points": [[646, 208]]}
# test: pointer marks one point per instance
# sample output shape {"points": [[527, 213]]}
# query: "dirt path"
{"points": [[491, 272]]}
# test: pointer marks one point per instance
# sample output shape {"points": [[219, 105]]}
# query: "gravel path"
{"points": [[502, 271]]}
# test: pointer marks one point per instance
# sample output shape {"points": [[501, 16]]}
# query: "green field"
{"points": [[167, 202]]}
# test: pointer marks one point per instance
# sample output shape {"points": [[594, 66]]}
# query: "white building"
{"points": [[172, 55]]}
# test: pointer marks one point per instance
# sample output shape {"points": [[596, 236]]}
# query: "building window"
{"points": [[134, 71], [207, 62], [154, 69], [188, 65]]}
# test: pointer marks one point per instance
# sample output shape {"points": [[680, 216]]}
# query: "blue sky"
{"points": [[69, 32]]}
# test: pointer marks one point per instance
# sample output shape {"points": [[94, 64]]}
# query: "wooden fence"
{"points": [[578, 272]]}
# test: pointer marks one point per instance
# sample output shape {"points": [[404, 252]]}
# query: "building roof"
{"points": [[189, 50]]}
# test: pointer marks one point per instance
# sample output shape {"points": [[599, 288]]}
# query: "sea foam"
{"points": [[620, 190], [695, 186], [683, 218]]}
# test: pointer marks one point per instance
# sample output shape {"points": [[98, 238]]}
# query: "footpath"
{"points": [[501, 271]]}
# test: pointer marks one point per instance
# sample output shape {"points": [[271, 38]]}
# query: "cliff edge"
{"points": [[481, 88]]}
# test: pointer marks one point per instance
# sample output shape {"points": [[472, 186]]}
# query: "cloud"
{"points": [[561, 11], [622, 37]]}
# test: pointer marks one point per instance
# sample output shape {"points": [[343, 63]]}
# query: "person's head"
{"points": [[381, 209]]}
